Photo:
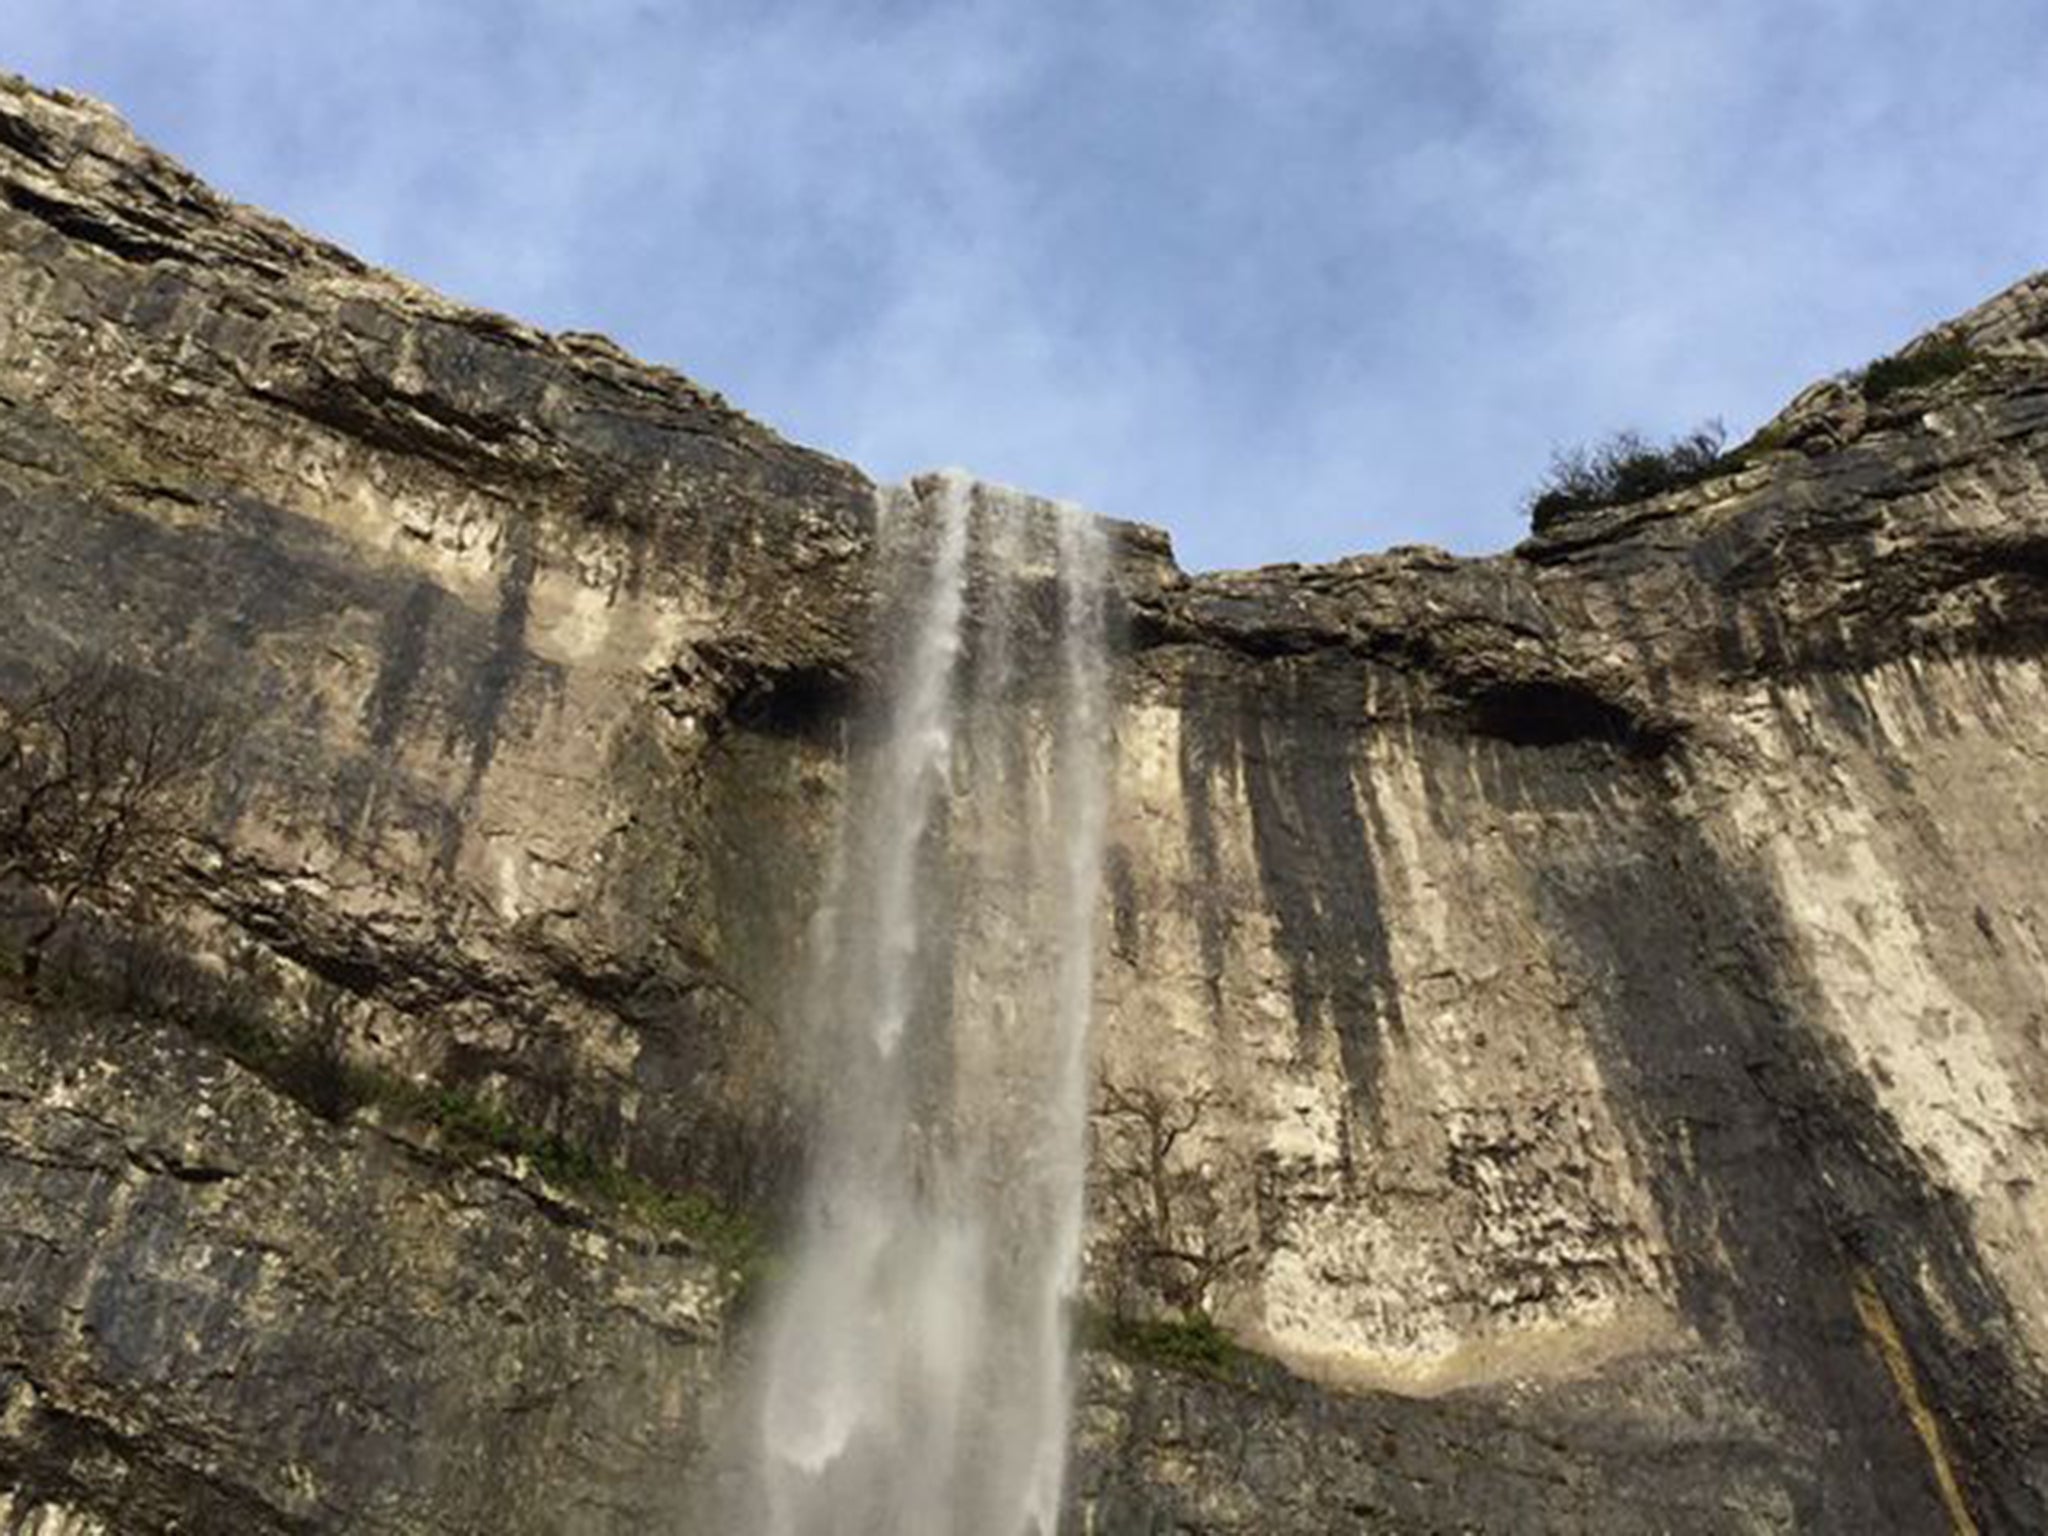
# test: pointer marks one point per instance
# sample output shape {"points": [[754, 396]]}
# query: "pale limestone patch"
{"points": [[1932, 1058], [1399, 1247], [1930, 1054], [1597, 1336], [14, 1417], [1917, 929], [577, 621], [45, 1519]]}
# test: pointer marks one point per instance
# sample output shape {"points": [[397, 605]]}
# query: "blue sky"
{"points": [[1293, 280]]}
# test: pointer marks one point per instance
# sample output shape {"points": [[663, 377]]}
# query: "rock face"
{"points": [[1606, 983]]}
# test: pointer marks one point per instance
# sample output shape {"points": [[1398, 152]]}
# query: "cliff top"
{"points": [[1881, 511], [77, 164]]}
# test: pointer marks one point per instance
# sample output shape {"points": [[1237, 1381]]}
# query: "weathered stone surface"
{"points": [[225, 1315], [1617, 967]]}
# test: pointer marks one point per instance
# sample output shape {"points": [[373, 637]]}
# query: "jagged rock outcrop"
{"points": [[1614, 970]]}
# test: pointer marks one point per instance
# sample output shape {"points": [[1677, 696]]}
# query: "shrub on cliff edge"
{"points": [[1626, 467], [1939, 359]]}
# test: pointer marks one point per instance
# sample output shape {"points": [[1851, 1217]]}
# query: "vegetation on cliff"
{"points": [[1196, 1343], [1627, 466], [1171, 1246], [1941, 357], [100, 768]]}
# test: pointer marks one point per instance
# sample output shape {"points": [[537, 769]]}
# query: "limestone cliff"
{"points": [[1611, 974]]}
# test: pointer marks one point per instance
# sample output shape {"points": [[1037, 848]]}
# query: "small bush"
{"points": [[101, 766], [1768, 438], [475, 1127], [1930, 364], [1624, 468], [1192, 1343]]}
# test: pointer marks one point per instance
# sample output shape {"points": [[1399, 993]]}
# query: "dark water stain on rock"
{"points": [[403, 644], [1207, 753], [402, 652], [1294, 736], [480, 714]]}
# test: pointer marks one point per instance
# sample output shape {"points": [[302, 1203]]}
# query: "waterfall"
{"points": [[915, 1376]]}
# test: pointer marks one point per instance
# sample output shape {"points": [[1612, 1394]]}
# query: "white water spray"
{"points": [[916, 1377]]}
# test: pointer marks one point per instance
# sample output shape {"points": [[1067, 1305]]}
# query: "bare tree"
{"points": [[1168, 1232], [99, 773]]}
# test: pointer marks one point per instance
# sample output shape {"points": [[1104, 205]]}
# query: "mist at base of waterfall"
{"points": [[913, 1372]]}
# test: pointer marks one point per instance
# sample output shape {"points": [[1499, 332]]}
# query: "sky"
{"points": [[1293, 280]]}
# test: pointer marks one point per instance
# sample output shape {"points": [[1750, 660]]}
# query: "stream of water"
{"points": [[915, 1376]]}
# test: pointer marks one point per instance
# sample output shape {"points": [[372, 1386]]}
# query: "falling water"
{"points": [[915, 1375]]}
